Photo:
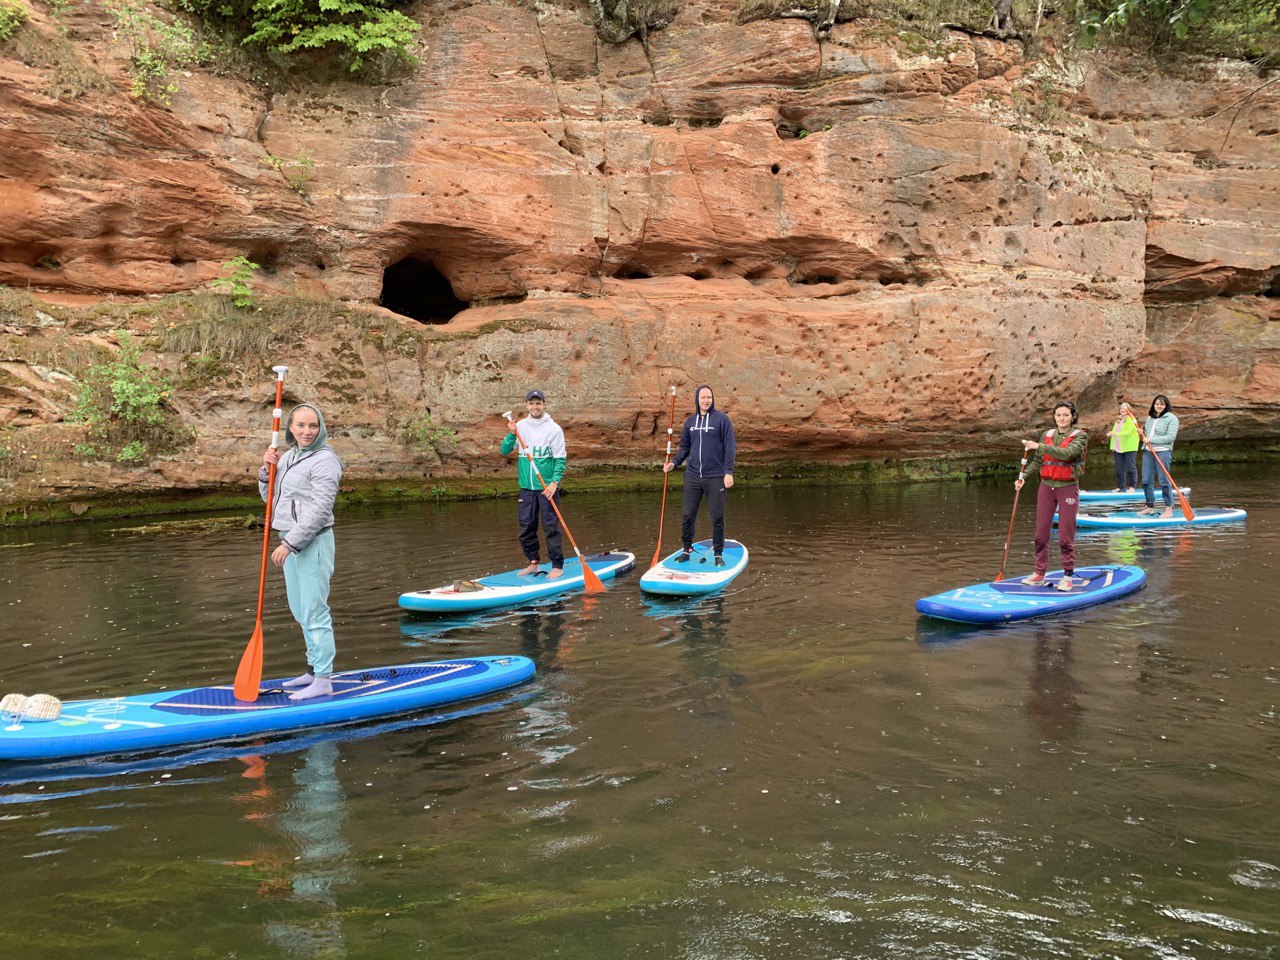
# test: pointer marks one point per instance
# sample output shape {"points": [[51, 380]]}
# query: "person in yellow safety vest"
{"points": [[1124, 449], [1059, 459]]}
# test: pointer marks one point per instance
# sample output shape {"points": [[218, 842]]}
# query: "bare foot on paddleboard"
{"points": [[530, 570], [556, 573], [1168, 513]]}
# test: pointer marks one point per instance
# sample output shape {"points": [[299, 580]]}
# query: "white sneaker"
{"points": [[1065, 584], [1035, 580], [320, 687]]}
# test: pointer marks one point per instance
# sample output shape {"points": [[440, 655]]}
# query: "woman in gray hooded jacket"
{"points": [[307, 477]]}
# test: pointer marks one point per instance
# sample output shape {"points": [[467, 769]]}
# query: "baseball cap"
{"points": [[534, 395]]}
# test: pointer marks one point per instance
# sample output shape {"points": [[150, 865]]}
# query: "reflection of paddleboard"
{"points": [[1111, 496], [1128, 518], [505, 589], [171, 718], [1007, 600], [698, 574]]}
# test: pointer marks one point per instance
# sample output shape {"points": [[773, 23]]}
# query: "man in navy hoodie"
{"points": [[707, 443]]}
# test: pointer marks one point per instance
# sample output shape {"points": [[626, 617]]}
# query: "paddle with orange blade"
{"points": [[1187, 512], [589, 576], [249, 673], [666, 474], [1022, 475]]}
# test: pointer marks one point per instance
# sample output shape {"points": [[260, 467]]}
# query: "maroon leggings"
{"points": [[1066, 501]]}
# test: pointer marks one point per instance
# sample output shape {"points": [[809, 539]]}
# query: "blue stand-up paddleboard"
{"points": [[1129, 518], [176, 717], [507, 589], [698, 574], [1006, 600], [1120, 496]]}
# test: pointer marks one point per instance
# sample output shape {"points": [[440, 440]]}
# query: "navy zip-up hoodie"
{"points": [[706, 441]]}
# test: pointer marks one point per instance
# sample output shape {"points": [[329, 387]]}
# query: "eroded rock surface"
{"points": [[879, 246]]}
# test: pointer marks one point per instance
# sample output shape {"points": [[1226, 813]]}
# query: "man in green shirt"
{"points": [[544, 448]]}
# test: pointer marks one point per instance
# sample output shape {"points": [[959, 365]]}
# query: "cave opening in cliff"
{"points": [[413, 287]]}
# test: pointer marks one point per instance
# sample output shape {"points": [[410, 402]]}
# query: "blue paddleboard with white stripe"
{"points": [[514, 587], [698, 574], [1129, 518], [1118, 496], [177, 717], [1006, 600]]}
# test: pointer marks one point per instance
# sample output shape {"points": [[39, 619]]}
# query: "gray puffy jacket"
{"points": [[306, 487]]}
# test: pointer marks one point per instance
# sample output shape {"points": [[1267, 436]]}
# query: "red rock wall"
{"points": [[960, 236]]}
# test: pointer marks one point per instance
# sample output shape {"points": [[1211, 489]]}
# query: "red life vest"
{"points": [[1053, 468]]}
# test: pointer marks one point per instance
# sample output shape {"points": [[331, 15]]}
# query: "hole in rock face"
{"points": [[413, 287]]}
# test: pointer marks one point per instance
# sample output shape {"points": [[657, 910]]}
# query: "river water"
{"points": [[799, 768]]}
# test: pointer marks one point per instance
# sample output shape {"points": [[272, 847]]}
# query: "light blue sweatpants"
{"points": [[306, 580]]}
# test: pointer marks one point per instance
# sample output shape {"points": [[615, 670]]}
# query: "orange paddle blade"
{"points": [[249, 673], [592, 580]]}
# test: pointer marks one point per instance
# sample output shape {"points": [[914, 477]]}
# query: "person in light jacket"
{"points": [[1161, 431], [307, 477]]}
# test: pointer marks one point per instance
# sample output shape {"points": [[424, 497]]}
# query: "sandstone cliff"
{"points": [[875, 246]]}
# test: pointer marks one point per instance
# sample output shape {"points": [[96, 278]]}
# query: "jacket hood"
{"points": [[321, 438], [698, 410]]}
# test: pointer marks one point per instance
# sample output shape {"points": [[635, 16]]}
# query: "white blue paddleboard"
{"points": [[1006, 600], [698, 574], [176, 717], [513, 587], [1122, 496], [1129, 518]]}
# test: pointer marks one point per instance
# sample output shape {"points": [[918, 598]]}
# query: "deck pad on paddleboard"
{"points": [[698, 574], [513, 587], [1130, 518], [1118, 496], [1006, 600], [171, 718]]}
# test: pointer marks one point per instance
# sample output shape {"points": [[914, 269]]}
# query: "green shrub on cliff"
{"points": [[126, 407], [424, 434], [1245, 29], [357, 33], [238, 275], [12, 17], [156, 48]]}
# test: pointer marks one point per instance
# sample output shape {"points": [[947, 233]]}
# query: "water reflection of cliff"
{"points": [[309, 870]]}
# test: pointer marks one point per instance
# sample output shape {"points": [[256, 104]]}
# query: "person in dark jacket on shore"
{"points": [[706, 442]]}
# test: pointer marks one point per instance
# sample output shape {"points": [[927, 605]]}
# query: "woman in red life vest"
{"points": [[1059, 459]]}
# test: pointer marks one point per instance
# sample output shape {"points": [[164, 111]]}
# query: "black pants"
{"points": [[695, 488], [534, 507]]}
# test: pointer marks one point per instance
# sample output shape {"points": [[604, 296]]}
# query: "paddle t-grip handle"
{"points": [[279, 370]]}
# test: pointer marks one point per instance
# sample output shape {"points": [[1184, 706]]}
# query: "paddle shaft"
{"points": [[589, 577], [1017, 491], [666, 475], [249, 673], [1187, 512]]}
